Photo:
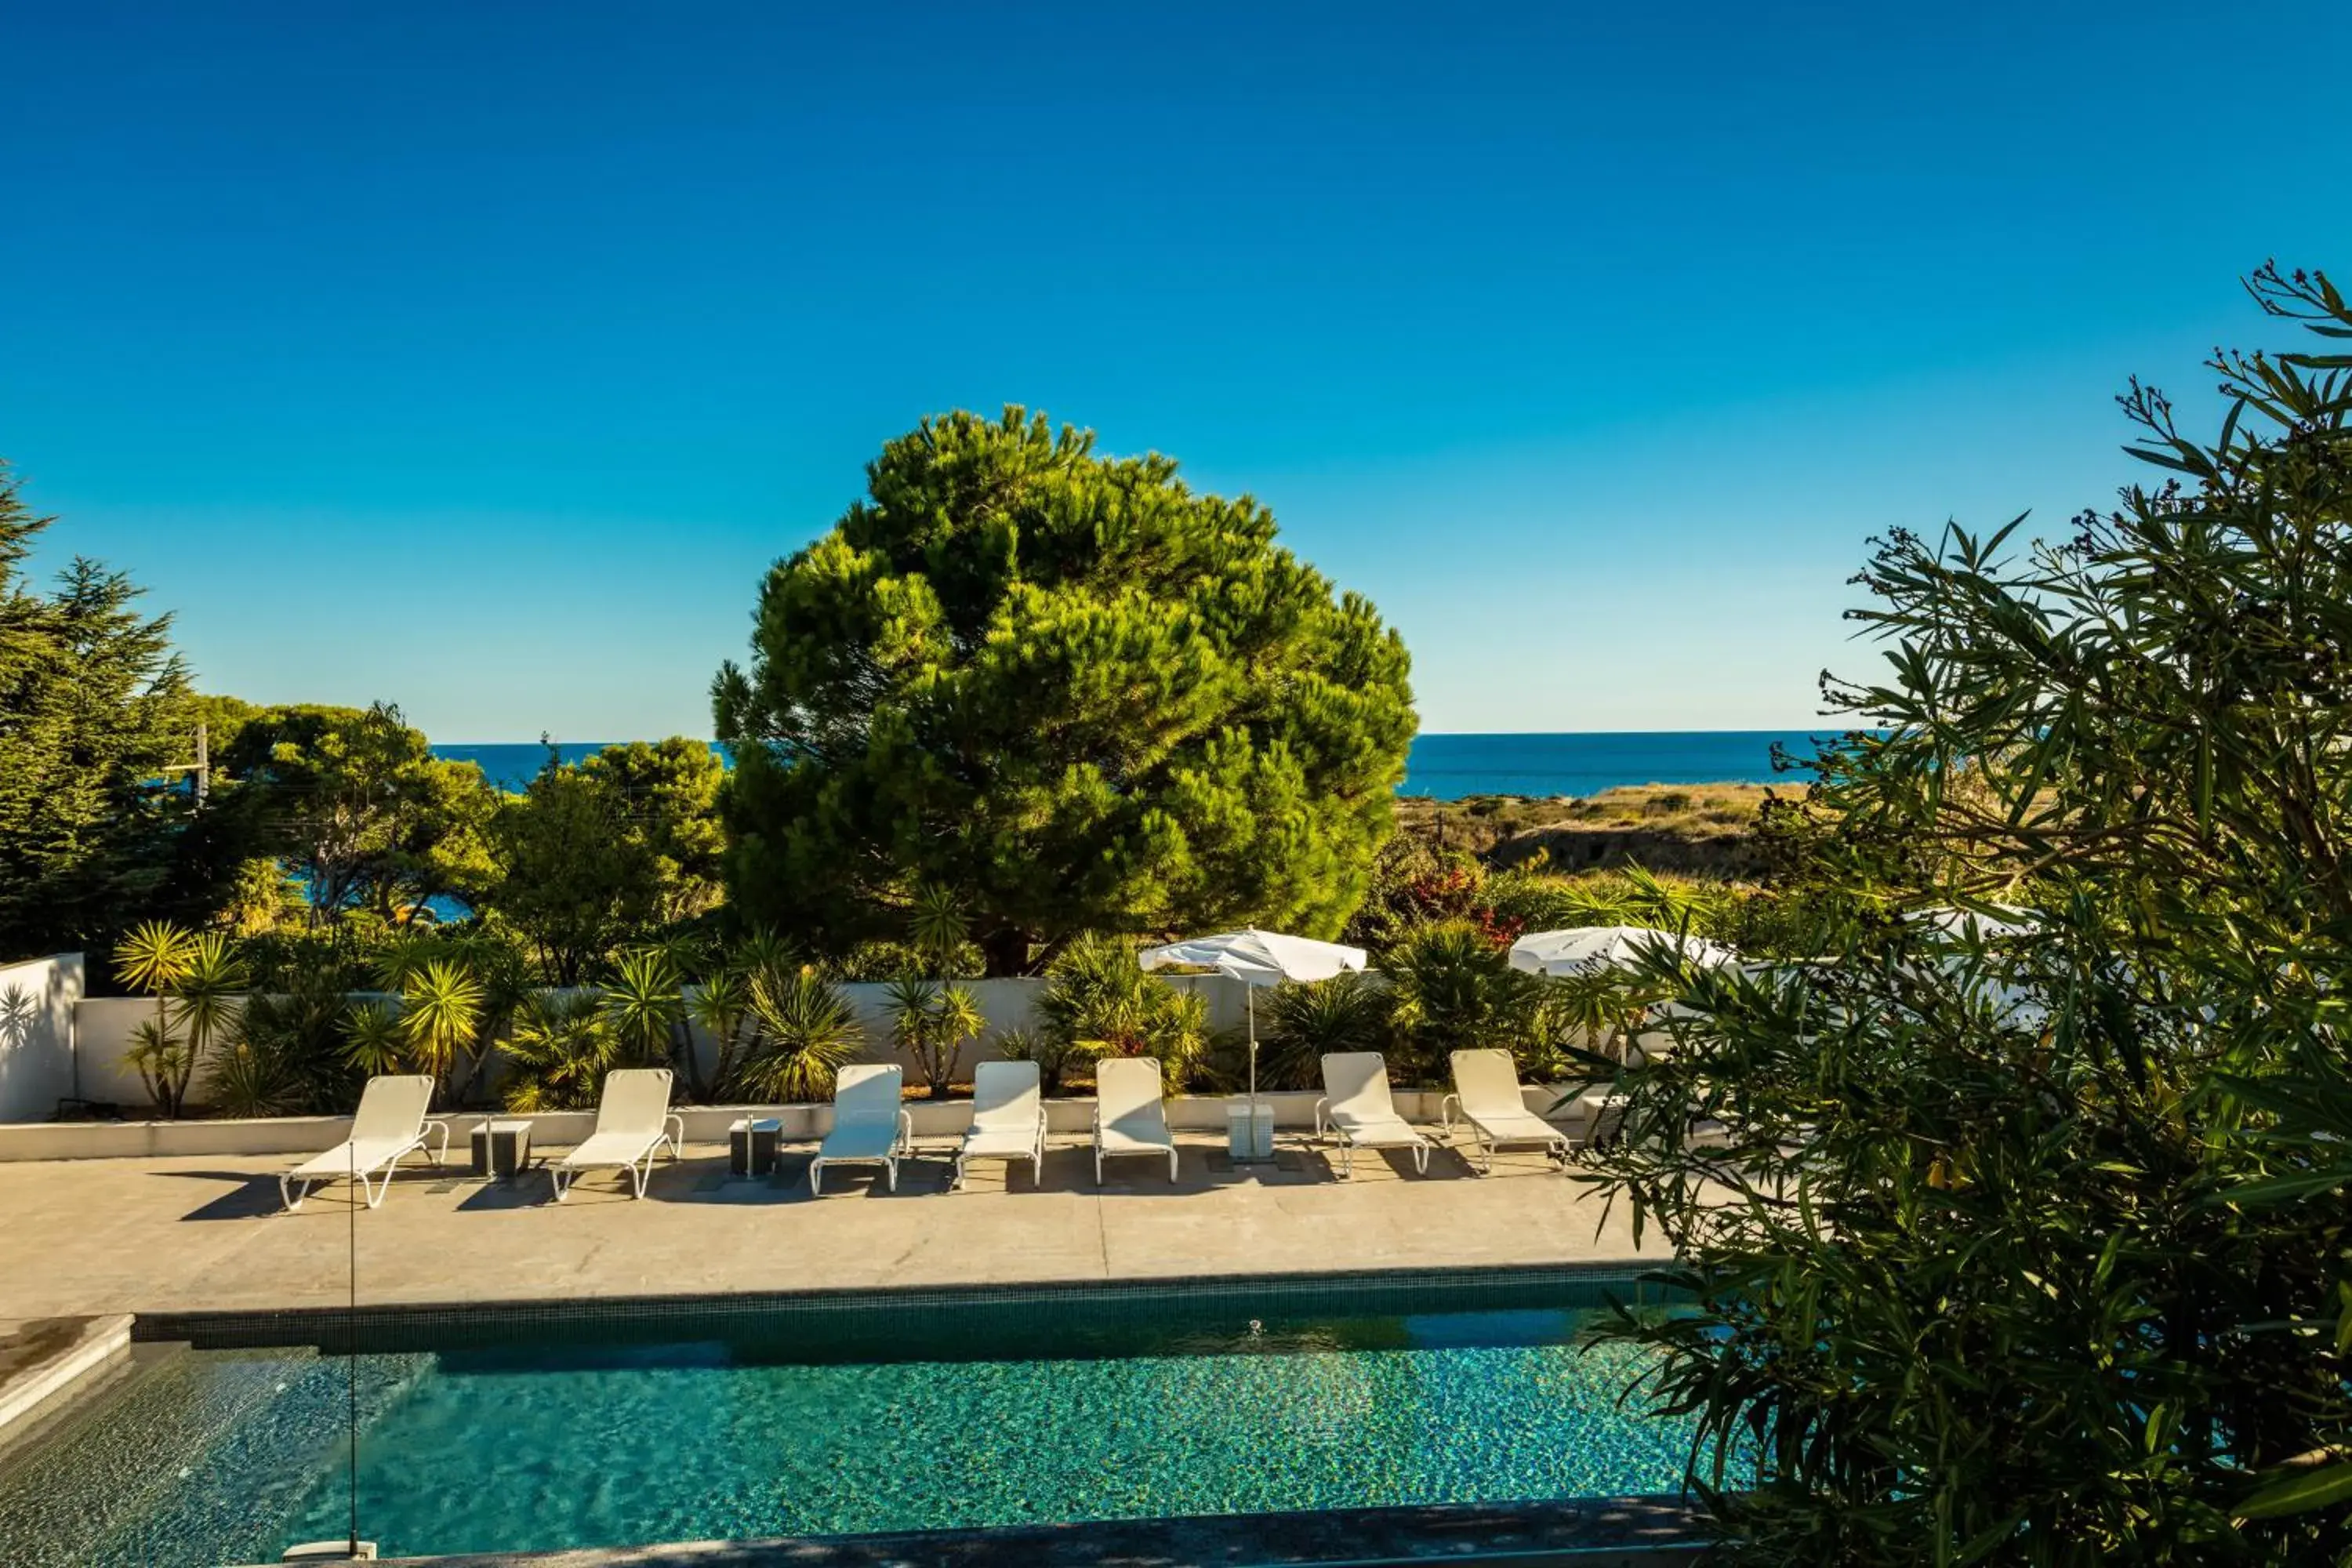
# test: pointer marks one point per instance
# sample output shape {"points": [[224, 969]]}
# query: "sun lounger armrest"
{"points": [[1321, 1105], [677, 1138], [906, 1129], [441, 1151], [1446, 1110]]}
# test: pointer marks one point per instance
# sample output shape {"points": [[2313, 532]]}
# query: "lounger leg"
{"points": [[375, 1193], [1099, 1167], [555, 1175], [292, 1202], [1172, 1167], [816, 1178], [890, 1174], [1421, 1160], [958, 1182]]}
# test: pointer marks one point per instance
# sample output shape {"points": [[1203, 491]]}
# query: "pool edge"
{"points": [[257, 1326], [1581, 1533]]}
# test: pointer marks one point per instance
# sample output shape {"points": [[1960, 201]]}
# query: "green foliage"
{"points": [[2035, 1250], [721, 1008], [94, 706], [1300, 1024], [1065, 688], [1099, 1001], [440, 1004], [606, 852], [558, 1052], [932, 1022], [1454, 989], [356, 804], [646, 1011], [291, 1059], [805, 1032], [372, 1041], [668, 792], [194, 979]]}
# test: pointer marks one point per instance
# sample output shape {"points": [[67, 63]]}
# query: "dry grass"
{"points": [[1667, 827]]}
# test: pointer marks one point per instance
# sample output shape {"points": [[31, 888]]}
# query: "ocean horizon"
{"points": [[1439, 767]]}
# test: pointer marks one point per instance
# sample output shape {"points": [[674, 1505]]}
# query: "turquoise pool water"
{"points": [[627, 1435]]}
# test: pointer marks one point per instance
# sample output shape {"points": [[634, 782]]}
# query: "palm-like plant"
{"points": [[932, 1022], [720, 1007], [373, 1040], [1304, 1023], [935, 924], [205, 1001], [439, 1007], [151, 958], [805, 1031], [559, 1049], [1099, 1001], [160, 1059], [643, 1005], [291, 1058], [1454, 990]]}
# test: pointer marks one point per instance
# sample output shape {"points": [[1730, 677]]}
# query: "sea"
{"points": [[1440, 766]]}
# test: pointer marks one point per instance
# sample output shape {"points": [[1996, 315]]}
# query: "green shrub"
{"points": [[804, 1032], [1299, 1025], [1099, 1001]]}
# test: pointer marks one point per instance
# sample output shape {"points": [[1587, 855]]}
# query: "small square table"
{"points": [[753, 1146], [501, 1148]]}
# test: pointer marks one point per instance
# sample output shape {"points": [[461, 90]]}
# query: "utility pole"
{"points": [[200, 771]]}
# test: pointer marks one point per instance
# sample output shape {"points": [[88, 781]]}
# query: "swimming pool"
{"points": [[490, 1433]]}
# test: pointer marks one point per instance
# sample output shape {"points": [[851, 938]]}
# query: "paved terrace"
{"points": [[93, 1237]]}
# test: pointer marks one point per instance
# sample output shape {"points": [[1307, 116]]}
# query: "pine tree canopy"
{"points": [[1064, 687]]}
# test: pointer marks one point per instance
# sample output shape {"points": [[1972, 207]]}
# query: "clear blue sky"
{"points": [[482, 357]]}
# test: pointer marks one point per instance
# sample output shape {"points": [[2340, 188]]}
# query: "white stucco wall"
{"points": [[37, 1035]]}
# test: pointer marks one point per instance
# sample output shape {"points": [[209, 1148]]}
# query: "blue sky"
{"points": [[481, 358]]}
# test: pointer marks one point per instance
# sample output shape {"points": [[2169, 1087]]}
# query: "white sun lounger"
{"points": [[1008, 1117], [1131, 1117], [1356, 1107], [870, 1126], [633, 1125], [388, 1127], [1486, 1088]]}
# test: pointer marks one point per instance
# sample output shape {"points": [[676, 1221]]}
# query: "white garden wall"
{"points": [[104, 1025], [37, 1035]]}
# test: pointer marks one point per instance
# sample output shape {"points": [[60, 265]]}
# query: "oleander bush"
{"points": [[2036, 1248]]}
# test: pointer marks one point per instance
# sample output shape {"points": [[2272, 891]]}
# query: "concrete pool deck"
{"points": [[205, 1233]]}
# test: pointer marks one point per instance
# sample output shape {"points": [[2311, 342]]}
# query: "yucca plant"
{"points": [[805, 1032], [161, 1059], [373, 1041], [289, 1059], [932, 1022], [151, 957], [721, 1007], [646, 1011], [440, 1006]]}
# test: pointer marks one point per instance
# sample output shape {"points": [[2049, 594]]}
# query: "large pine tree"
{"points": [[93, 706], [1066, 688]]}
